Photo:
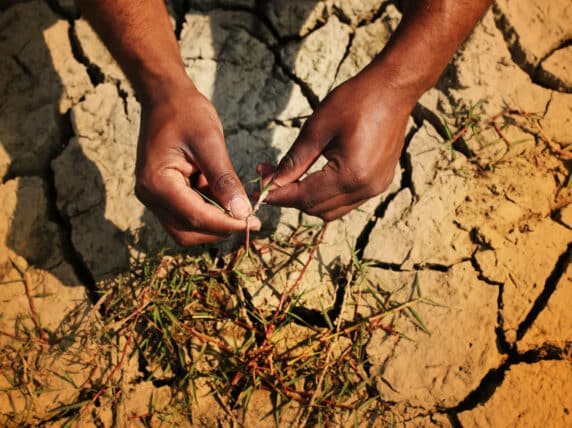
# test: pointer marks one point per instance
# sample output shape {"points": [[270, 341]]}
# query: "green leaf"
{"points": [[416, 285], [209, 200], [326, 316], [419, 320], [447, 129]]}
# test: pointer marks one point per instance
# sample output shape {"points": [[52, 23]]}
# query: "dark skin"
{"points": [[359, 127]]}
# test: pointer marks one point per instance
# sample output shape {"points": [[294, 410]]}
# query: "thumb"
{"points": [[304, 152], [223, 182]]}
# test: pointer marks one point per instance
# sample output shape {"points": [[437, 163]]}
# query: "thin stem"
{"points": [[288, 291], [27, 287], [112, 373]]}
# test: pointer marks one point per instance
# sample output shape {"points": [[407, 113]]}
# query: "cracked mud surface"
{"points": [[493, 247]]}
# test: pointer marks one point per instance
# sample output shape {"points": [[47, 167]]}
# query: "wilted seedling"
{"points": [[192, 323], [190, 320], [469, 131]]}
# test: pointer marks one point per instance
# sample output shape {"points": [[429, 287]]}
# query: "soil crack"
{"points": [[405, 162], [344, 57], [308, 93], [363, 238], [495, 377], [70, 253], [421, 113], [525, 60], [406, 182], [549, 288], [259, 14], [59, 10], [556, 216], [377, 15], [96, 75], [481, 275], [180, 8], [25, 69]]}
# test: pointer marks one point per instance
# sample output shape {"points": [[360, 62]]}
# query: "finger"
{"points": [[327, 209], [182, 235], [180, 232], [322, 192], [183, 203], [318, 192], [186, 238], [224, 184], [304, 152]]}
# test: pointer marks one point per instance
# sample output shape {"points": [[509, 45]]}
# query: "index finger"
{"points": [[320, 191], [186, 204]]}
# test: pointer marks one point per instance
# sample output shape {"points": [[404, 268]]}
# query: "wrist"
{"points": [[386, 87], [429, 34], [155, 87], [406, 79]]}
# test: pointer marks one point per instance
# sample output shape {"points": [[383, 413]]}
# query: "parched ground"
{"points": [[479, 214]]}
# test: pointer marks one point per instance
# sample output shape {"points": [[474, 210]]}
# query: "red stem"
{"points": [[289, 291]]}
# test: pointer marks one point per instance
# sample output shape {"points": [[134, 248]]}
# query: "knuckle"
{"points": [[212, 133], [146, 183], [356, 177], [287, 163], [225, 182], [196, 224], [308, 204]]}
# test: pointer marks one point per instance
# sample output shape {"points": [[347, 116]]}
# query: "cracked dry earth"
{"points": [[491, 245]]}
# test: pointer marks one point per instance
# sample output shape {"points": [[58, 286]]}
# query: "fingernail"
{"points": [[240, 207]]}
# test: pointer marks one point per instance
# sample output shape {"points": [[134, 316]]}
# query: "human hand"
{"points": [[359, 128], [181, 137]]}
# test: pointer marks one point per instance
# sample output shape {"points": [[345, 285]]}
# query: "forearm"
{"points": [[429, 34], [140, 37]]}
